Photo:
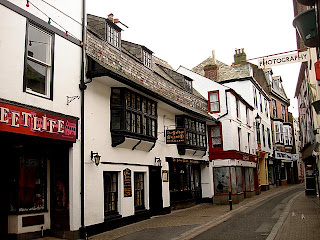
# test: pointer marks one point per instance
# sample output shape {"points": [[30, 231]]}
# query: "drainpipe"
{"points": [[82, 87]]}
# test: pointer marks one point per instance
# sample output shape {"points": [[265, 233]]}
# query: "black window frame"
{"points": [[49, 94], [108, 195], [139, 190], [132, 107]]}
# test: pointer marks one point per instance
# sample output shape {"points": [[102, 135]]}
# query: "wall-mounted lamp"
{"points": [[157, 160], [95, 157], [258, 118]]}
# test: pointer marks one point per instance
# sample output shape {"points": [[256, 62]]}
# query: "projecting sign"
{"points": [[270, 61], [283, 156], [175, 136]]}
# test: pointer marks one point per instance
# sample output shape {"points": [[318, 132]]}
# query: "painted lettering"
{"points": [[35, 126], [51, 125], [4, 114], [44, 123], [26, 117], [15, 116], [60, 126]]}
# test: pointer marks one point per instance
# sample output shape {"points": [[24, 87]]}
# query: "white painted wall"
{"points": [[66, 77], [98, 139]]}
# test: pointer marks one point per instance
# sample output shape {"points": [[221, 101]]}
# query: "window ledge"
{"points": [[112, 217]]}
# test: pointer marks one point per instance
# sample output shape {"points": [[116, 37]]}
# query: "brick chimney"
{"points": [[211, 69], [240, 57]]}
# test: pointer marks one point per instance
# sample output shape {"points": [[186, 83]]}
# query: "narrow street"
{"points": [[255, 222]]}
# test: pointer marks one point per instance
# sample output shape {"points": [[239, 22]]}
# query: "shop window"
{"points": [[39, 62], [214, 102], [28, 187], [239, 180], [139, 190], [110, 193], [133, 114], [221, 180], [249, 179]]}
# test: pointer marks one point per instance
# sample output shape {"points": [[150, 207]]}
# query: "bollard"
{"points": [[230, 200]]}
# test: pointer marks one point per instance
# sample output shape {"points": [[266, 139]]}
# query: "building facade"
{"points": [[39, 119], [148, 125]]}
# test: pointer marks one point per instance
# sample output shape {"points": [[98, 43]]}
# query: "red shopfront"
{"points": [[35, 147]]}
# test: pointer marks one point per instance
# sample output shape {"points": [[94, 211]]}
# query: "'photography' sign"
{"points": [[271, 61]]}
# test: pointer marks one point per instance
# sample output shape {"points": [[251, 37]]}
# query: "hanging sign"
{"points": [[271, 61], [175, 136], [127, 182]]}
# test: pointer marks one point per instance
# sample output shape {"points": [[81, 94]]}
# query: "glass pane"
{"points": [[39, 45], [133, 100], [128, 99], [233, 180], [213, 97], [116, 97], [138, 103], [221, 180], [36, 77], [239, 179], [128, 121], [115, 118]]}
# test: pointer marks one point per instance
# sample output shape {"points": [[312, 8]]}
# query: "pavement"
{"points": [[300, 220]]}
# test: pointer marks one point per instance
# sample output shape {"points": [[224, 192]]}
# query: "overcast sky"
{"points": [[184, 32]]}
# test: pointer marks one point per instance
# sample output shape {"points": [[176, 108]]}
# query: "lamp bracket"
{"points": [[70, 99]]}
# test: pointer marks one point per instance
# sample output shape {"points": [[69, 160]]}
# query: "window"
{"points": [[237, 108], [27, 188], [278, 127], [266, 108], [113, 36], [247, 116], [255, 101], [138, 190], [258, 132], [39, 64], [147, 60], [283, 111], [214, 102], [269, 138], [215, 136], [274, 108], [263, 136], [110, 193], [195, 131], [133, 113], [239, 138], [260, 98], [249, 142]]}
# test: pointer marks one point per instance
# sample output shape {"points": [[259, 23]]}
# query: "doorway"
{"points": [[4, 201], [155, 190], [59, 164]]}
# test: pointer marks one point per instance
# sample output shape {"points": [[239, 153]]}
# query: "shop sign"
{"points": [[271, 61], [127, 182], [283, 155], [175, 136], [36, 123]]}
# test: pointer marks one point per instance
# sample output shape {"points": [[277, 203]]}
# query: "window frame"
{"points": [[147, 59], [141, 191], [274, 108], [209, 101], [218, 148], [49, 67], [112, 38], [238, 108], [116, 194]]}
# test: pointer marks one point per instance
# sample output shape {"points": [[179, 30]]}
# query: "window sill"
{"points": [[112, 217], [28, 212], [37, 94]]}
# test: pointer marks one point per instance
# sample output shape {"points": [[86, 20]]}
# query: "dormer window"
{"points": [[147, 59], [113, 35]]}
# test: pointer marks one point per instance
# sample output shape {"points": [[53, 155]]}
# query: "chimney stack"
{"points": [[240, 57], [110, 17], [211, 69]]}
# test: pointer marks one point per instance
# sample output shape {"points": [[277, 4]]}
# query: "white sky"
{"points": [[184, 32]]}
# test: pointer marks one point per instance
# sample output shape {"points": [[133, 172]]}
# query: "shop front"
{"points": [[185, 181], [35, 146], [286, 167]]}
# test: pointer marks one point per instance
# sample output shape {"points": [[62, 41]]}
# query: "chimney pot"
{"points": [[110, 17]]}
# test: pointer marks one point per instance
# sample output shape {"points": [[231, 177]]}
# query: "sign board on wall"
{"points": [[283, 156], [127, 182], [176, 136], [276, 60], [39, 123]]}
